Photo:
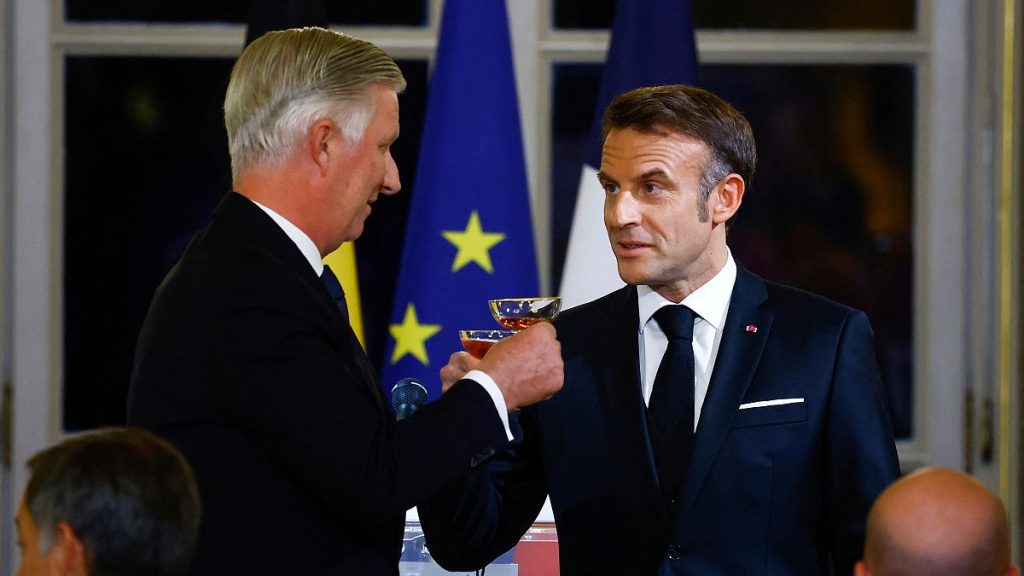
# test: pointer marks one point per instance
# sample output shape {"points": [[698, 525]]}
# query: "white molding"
{"points": [[213, 40], [940, 257], [950, 333], [35, 323], [763, 46], [7, 506], [524, 24], [979, 210]]}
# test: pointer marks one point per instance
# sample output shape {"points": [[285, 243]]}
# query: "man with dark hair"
{"points": [[113, 502], [711, 422], [247, 363], [935, 522]]}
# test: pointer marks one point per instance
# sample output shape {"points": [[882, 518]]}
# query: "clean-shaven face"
{"points": [[367, 169], [651, 183]]}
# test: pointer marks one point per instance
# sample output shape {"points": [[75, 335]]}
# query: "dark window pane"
{"points": [[780, 14], [830, 207], [377, 13], [576, 88], [155, 11], [351, 12], [146, 162]]}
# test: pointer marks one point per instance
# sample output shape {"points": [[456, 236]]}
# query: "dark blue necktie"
{"points": [[338, 295], [671, 405], [335, 290], [671, 402]]}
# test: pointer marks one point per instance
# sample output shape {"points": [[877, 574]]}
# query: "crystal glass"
{"points": [[520, 313], [478, 342]]}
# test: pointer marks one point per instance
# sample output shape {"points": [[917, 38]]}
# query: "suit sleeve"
{"points": [[481, 516], [299, 392], [861, 454]]}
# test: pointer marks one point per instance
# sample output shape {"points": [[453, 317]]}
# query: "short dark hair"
{"points": [[130, 497], [697, 114]]}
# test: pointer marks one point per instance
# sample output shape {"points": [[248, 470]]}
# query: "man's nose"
{"points": [[621, 210], [392, 181]]}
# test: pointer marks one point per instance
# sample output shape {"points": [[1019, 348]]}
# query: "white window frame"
{"points": [[960, 266]]}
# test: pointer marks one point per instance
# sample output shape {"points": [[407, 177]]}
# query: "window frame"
{"points": [[961, 263]]}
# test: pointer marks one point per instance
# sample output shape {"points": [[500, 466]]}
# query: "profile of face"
{"points": [[660, 234], [59, 560], [364, 169], [33, 563]]}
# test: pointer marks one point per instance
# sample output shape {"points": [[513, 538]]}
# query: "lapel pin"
{"points": [[752, 328]]}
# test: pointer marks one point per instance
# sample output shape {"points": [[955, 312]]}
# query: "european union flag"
{"points": [[652, 43], [469, 236]]}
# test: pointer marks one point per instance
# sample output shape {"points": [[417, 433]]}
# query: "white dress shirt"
{"points": [[312, 255], [710, 304]]}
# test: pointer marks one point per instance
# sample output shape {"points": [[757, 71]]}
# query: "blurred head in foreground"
{"points": [[937, 521], [111, 502]]}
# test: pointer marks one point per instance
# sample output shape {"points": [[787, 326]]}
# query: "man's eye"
{"points": [[652, 188], [610, 188]]}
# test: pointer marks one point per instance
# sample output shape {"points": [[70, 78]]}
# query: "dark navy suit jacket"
{"points": [[776, 489], [248, 367]]}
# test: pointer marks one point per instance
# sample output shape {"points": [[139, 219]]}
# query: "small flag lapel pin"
{"points": [[751, 328]]}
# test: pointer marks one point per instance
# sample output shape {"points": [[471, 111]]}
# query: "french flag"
{"points": [[652, 43]]}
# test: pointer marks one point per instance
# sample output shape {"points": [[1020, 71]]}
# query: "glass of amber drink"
{"points": [[478, 342], [520, 313]]}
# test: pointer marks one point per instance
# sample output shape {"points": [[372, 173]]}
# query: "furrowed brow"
{"points": [[654, 173]]}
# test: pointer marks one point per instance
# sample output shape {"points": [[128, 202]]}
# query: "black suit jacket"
{"points": [[776, 489], [247, 366]]}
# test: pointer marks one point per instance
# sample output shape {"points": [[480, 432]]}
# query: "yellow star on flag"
{"points": [[473, 244], [411, 337]]}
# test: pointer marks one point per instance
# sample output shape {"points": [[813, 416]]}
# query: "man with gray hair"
{"points": [[246, 361], [937, 521], [108, 503]]}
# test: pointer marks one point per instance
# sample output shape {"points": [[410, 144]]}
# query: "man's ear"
{"points": [[319, 142], [726, 198], [861, 569], [67, 554]]}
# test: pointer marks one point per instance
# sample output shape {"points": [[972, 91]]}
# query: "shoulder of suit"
{"points": [[596, 311], [224, 261], [781, 295]]}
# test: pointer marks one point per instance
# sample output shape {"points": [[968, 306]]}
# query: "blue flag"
{"points": [[469, 236], [652, 43]]}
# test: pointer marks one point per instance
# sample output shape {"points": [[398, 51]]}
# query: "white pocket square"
{"points": [[777, 402]]}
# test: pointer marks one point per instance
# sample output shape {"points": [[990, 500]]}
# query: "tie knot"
{"points": [[675, 321]]}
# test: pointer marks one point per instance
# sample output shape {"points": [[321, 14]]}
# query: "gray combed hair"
{"points": [[286, 80]]}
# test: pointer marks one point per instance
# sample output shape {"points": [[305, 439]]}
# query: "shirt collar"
{"points": [[710, 301], [298, 237]]}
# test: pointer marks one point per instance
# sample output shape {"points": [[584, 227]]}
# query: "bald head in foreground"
{"points": [[937, 521]]}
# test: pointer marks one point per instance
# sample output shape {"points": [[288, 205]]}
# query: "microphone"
{"points": [[407, 396]]}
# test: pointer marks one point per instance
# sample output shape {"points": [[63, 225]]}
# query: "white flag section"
{"points": [[590, 271], [547, 515], [652, 43]]}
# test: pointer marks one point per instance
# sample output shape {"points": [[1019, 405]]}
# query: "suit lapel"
{"points": [[247, 216], [738, 356], [621, 392]]}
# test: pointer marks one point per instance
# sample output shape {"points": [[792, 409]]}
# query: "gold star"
{"points": [[473, 244], [411, 337]]}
